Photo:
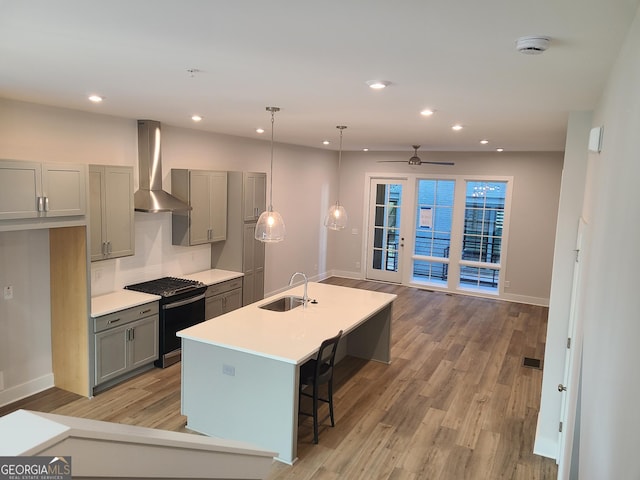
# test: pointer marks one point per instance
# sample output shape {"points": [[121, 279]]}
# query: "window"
{"points": [[434, 216], [482, 235]]}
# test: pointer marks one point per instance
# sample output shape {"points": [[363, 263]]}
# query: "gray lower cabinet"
{"points": [[223, 297], [125, 341]]}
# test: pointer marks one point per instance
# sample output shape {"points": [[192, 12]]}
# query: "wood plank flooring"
{"points": [[456, 402]]}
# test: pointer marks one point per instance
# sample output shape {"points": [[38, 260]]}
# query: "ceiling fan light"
{"points": [[336, 218]]}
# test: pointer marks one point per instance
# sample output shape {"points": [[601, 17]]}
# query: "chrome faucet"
{"points": [[305, 297]]}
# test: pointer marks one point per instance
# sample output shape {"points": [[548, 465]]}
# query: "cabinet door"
{"points": [[218, 206], [252, 265], [143, 341], [20, 185], [213, 307], [254, 196], [111, 353], [63, 187], [200, 214], [118, 211], [232, 300], [97, 226]]}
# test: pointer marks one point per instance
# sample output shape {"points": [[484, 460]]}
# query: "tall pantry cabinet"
{"points": [[246, 200]]}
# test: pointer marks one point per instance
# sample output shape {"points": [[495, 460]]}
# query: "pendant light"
{"points": [[270, 226], [336, 218]]}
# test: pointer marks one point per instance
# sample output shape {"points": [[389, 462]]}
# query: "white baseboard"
{"points": [[13, 394], [540, 302], [546, 448]]}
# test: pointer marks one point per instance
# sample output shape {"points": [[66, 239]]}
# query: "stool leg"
{"points": [[315, 414], [330, 398]]}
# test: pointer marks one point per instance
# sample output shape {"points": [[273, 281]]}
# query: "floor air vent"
{"points": [[532, 363]]}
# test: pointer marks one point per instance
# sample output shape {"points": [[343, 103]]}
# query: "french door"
{"points": [[447, 233], [385, 240]]}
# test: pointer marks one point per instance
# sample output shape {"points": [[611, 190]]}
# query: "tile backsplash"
{"points": [[154, 257]]}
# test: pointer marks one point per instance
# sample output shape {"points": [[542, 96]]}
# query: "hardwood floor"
{"points": [[455, 403]]}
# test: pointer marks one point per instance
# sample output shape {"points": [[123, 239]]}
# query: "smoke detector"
{"points": [[532, 44]]}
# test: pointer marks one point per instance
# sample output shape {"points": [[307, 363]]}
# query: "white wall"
{"points": [[610, 417], [25, 320], [536, 190], [569, 212]]}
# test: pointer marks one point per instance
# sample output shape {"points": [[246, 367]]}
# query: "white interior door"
{"points": [[569, 389], [385, 239]]}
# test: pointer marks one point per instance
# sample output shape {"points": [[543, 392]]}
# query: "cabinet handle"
{"points": [[133, 334], [109, 248], [224, 302], [115, 320], [40, 205], [46, 204], [145, 311]]}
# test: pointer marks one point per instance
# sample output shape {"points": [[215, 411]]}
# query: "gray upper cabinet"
{"points": [[41, 190], [111, 211], [206, 192], [254, 201]]}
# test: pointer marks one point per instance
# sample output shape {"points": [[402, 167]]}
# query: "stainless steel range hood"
{"points": [[150, 197]]}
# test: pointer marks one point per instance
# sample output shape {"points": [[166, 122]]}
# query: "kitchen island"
{"points": [[240, 371]]}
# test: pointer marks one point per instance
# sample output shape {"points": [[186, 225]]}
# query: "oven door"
{"points": [[176, 315]]}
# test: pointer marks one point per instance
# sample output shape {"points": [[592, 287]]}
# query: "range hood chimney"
{"points": [[150, 197]]}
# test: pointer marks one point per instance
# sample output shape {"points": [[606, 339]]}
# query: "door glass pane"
{"points": [[482, 237], [434, 215], [386, 231]]}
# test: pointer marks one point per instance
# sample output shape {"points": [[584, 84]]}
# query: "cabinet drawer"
{"points": [[123, 317], [218, 288]]}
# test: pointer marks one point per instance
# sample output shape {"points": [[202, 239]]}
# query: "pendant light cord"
{"points": [[273, 111], [341, 128]]}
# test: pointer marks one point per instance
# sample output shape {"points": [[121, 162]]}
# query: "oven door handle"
{"points": [[180, 303]]}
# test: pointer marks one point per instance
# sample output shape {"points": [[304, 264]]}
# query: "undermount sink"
{"points": [[283, 304]]}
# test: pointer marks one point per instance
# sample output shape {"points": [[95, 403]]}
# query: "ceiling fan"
{"points": [[415, 160]]}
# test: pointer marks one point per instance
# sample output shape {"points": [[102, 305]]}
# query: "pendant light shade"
{"points": [[337, 218], [270, 226]]}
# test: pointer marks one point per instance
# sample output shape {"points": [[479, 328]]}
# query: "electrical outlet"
{"points": [[8, 292], [229, 370], [507, 284], [358, 265]]}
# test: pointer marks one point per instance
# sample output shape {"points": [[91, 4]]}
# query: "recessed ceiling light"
{"points": [[365, 149], [499, 149], [378, 84], [259, 130], [326, 142], [95, 98], [484, 142], [196, 118], [456, 127], [427, 112]]}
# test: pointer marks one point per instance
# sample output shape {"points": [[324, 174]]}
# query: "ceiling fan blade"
{"points": [[392, 161], [438, 163]]}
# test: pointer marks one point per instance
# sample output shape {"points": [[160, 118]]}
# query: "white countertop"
{"points": [[122, 299], [213, 276], [119, 300], [291, 336]]}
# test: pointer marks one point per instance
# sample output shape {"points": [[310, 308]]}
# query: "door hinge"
{"points": [[569, 342], [560, 427]]}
